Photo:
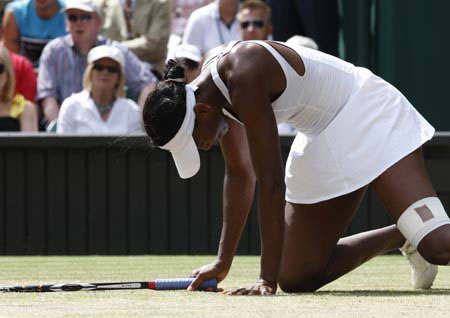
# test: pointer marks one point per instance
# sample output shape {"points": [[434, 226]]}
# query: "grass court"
{"points": [[380, 288]]}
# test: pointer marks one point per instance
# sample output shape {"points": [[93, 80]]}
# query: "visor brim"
{"points": [[187, 160]]}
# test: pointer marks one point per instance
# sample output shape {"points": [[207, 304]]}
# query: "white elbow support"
{"points": [[421, 218]]}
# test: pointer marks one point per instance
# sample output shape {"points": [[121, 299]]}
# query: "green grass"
{"points": [[380, 288]]}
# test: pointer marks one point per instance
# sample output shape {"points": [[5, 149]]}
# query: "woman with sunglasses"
{"points": [[359, 130], [101, 107], [16, 113]]}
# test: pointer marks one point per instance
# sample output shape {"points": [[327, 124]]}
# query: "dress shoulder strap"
{"points": [[218, 81], [215, 73], [280, 59]]}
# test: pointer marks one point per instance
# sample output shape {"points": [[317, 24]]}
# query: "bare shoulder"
{"points": [[248, 53], [250, 60], [251, 66], [9, 17], [9, 25]]}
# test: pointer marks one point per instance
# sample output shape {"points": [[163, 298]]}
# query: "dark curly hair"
{"points": [[165, 107]]}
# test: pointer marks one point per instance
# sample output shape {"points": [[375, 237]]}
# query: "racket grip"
{"points": [[182, 283]]}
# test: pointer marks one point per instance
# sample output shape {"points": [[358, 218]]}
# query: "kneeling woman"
{"points": [[356, 130], [101, 107]]}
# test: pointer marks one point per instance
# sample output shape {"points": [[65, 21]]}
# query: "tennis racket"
{"points": [[157, 284]]}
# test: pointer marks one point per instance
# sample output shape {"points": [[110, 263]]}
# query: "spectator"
{"points": [[25, 76], [28, 25], [63, 60], [255, 20], [181, 11], [213, 25], [101, 107], [190, 57], [143, 26], [317, 19], [16, 114]]}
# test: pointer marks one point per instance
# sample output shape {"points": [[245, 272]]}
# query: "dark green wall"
{"points": [[77, 195], [406, 43]]}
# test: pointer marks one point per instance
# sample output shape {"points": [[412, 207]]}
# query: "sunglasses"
{"points": [[2, 68], [257, 24], [82, 17], [110, 69]]}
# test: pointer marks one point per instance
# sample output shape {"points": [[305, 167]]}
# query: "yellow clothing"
{"points": [[17, 106]]}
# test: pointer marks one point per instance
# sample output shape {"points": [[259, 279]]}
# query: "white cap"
{"points": [[182, 146], [103, 51], [84, 5], [303, 41], [187, 51]]}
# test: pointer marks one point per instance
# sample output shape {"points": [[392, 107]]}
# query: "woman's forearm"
{"points": [[237, 199], [271, 221]]}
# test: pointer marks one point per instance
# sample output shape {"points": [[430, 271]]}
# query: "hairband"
{"points": [[177, 80]]}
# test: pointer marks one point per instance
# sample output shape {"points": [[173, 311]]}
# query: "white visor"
{"points": [[182, 146]]}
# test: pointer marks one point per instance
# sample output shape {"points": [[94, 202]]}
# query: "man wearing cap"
{"points": [[63, 60]]}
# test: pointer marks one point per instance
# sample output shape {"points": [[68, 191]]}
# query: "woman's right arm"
{"points": [[239, 188], [10, 31]]}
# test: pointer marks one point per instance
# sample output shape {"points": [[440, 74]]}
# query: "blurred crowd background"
{"points": [[86, 66]]}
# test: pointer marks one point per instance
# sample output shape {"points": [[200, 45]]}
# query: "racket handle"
{"points": [[181, 283]]}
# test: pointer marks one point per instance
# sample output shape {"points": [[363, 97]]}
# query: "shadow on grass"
{"points": [[367, 293], [380, 293]]}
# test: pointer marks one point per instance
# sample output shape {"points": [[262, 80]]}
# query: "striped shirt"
{"points": [[61, 69]]}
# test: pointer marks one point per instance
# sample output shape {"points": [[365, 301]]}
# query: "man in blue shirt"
{"points": [[28, 25]]}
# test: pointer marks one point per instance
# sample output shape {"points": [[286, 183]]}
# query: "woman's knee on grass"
{"points": [[304, 284]]}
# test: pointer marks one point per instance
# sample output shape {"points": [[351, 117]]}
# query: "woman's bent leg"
{"points": [[313, 255]]}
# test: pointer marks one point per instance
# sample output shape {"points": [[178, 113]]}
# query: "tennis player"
{"points": [[355, 129]]}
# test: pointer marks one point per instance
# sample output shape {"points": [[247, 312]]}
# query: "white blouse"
{"points": [[79, 115], [206, 30]]}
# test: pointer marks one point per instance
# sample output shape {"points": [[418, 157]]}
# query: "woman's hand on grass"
{"points": [[216, 269], [262, 288]]}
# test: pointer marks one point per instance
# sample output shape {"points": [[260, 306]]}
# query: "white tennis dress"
{"points": [[352, 124]]}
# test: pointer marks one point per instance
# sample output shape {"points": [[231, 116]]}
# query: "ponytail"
{"points": [[165, 106], [174, 72]]}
